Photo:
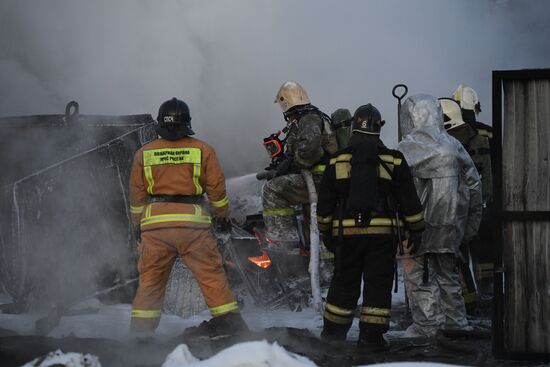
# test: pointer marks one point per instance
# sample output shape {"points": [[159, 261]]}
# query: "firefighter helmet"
{"points": [[367, 120], [468, 98], [291, 94], [174, 120], [452, 116]]}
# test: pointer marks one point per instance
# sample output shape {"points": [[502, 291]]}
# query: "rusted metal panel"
{"points": [[523, 200]]}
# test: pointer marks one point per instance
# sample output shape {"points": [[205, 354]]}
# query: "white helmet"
{"points": [[467, 97], [291, 94], [452, 116]]}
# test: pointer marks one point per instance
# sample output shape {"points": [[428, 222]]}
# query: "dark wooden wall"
{"points": [[526, 187]]}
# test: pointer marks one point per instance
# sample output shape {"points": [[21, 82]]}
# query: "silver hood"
{"points": [[430, 151], [446, 179]]}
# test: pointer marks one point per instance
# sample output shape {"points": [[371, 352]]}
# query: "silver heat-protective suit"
{"points": [[449, 189]]}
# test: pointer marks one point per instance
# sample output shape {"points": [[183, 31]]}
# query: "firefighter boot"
{"points": [[230, 323], [333, 332], [372, 341]]}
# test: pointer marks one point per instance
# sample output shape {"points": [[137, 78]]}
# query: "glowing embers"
{"points": [[262, 261]]}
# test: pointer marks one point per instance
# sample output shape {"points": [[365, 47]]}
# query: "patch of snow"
{"points": [[181, 356], [58, 358], [259, 354], [249, 354], [258, 319], [113, 322]]}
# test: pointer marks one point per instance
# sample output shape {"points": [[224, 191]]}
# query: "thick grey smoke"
{"points": [[227, 59]]}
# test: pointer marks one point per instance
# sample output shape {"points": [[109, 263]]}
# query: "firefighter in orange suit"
{"points": [[168, 181]]}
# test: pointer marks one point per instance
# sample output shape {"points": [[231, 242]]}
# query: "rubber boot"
{"points": [[333, 332]]}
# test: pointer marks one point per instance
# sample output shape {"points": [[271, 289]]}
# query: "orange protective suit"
{"points": [[185, 167]]}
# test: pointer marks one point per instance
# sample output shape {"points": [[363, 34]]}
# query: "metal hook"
{"points": [[399, 97]]}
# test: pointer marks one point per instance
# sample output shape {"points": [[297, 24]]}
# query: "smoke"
{"points": [[227, 60]]}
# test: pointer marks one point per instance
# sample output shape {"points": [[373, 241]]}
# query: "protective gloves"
{"points": [[284, 167], [415, 241], [221, 225], [281, 169]]}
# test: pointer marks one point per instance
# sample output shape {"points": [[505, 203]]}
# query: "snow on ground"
{"points": [[92, 319], [112, 322], [249, 354], [58, 358], [258, 354]]}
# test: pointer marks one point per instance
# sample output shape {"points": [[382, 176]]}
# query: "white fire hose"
{"points": [[314, 245]]}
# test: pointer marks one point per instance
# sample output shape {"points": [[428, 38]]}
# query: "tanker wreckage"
{"points": [[64, 227], [65, 236], [65, 231]]}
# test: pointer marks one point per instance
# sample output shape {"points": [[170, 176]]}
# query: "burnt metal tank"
{"points": [[64, 217]]}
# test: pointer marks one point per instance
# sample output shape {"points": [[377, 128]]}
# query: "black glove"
{"points": [[284, 167], [415, 241], [266, 175], [221, 225], [330, 242]]}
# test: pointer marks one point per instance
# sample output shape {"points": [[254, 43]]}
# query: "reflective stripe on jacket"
{"points": [[187, 166], [395, 181]]}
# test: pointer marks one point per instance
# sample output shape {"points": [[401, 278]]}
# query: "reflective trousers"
{"points": [[371, 259], [279, 195], [438, 303], [199, 252]]}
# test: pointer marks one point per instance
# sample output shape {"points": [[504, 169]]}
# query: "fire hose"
{"points": [[314, 245]]}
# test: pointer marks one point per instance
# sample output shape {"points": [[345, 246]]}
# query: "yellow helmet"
{"points": [[452, 116], [291, 94], [467, 97]]}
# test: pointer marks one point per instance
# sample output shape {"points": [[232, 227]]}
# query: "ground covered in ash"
{"points": [[102, 330]]}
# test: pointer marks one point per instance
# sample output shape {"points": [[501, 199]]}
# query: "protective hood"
{"points": [[446, 179], [429, 150]]}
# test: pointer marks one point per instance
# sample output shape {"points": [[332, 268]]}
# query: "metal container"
{"points": [[64, 213]]}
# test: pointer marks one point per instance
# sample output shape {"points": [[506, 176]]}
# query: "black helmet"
{"points": [[367, 120], [174, 120]]}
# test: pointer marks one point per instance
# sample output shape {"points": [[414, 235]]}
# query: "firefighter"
{"points": [[483, 249], [360, 192], [309, 139], [470, 107], [479, 149], [449, 186], [168, 181]]}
